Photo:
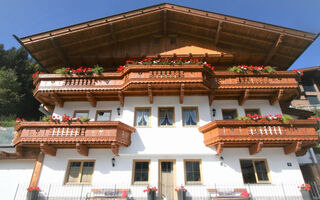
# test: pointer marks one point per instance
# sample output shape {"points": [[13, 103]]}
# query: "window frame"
{"points": [[228, 109], [315, 97], [255, 170], [135, 117], [185, 172], [258, 109], [80, 111], [173, 117], [134, 170], [190, 107], [80, 172], [96, 117]]}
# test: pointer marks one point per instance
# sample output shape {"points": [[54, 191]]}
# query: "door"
{"points": [[167, 182]]}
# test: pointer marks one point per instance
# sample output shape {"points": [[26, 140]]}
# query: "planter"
{"points": [[152, 195], [33, 195], [306, 195], [182, 195]]}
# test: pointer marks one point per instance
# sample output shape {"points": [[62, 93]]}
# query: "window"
{"points": [[313, 100], [103, 115], [254, 171], [307, 84], [79, 172], [140, 172], [81, 113], [230, 114], [192, 171], [190, 116], [166, 116], [252, 111], [142, 117]]}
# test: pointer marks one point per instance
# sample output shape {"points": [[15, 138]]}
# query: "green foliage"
{"points": [[60, 71], [270, 69], [97, 69], [287, 119], [8, 121], [243, 118], [84, 119], [45, 118], [235, 69]]}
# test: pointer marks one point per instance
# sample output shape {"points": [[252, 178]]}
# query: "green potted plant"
{"points": [[182, 191], [33, 193], [152, 192]]}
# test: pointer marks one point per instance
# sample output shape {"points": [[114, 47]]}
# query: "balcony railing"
{"points": [[295, 136], [110, 134]]}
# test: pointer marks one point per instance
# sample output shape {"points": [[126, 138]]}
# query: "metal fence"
{"points": [[194, 192]]}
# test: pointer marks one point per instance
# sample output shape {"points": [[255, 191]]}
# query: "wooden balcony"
{"points": [[48, 136], [297, 136], [165, 80]]}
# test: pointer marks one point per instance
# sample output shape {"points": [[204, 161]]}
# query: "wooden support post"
{"points": [[292, 148], [82, 149], [274, 49], [37, 170], [181, 93], [57, 100], [92, 100], [47, 149], [164, 22], [244, 97], [302, 151], [115, 149], [211, 97], [121, 98], [219, 148], [216, 40], [150, 94], [276, 97], [255, 148]]}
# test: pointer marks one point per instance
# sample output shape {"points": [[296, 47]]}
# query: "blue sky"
{"points": [[26, 17]]}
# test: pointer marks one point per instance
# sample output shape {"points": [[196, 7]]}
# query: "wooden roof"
{"points": [[152, 31]]}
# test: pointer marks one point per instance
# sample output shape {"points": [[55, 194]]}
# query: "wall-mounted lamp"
{"points": [[118, 109], [221, 158], [113, 161], [213, 112]]}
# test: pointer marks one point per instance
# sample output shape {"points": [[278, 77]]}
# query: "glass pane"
{"points": [[229, 114], [261, 170], [74, 172], [81, 114], [308, 85], [87, 172], [190, 117], [142, 117], [313, 100], [166, 116], [193, 171], [166, 166], [103, 116], [141, 171], [247, 171]]}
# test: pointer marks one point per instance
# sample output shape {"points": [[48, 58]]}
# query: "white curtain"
{"points": [[190, 117], [142, 117], [166, 117]]}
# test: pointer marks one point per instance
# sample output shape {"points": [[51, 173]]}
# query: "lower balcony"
{"points": [[295, 137], [48, 136]]}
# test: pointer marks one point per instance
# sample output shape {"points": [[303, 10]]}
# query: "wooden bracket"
{"points": [[121, 98], [57, 100], [216, 40], [211, 97], [92, 100], [292, 148], [302, 151], [255, 148], [150, 94], [47, 149], [243, 97], [274, 49], [82, 149], [276, 97], [36, 170], [19, 150], [181, 93], [219, 148], [115, 149]]}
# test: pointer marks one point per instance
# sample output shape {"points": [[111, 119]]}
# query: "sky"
{"points": [[26, 17]]}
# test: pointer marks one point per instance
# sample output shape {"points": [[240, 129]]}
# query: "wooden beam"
{"points": [[274, 49], [92, 100], [302, 151], [19, 150], [276, 97], [244, 97], [121, 98], [60, 51], [57, 100], [47, 149], [36, 170], [216, 40], [219, 148], [181, 93], [164, 22], [211, 97], [292, 148], [150, 94], [255, 148], [115, 149], [82, 149]]}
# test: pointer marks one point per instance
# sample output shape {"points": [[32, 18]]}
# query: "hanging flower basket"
{"points": [[33, 193]]}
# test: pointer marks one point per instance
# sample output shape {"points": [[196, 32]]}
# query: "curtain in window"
{"points": [[142, 117], [190, 117], [87, 172], [74, 172], [166, 117]]}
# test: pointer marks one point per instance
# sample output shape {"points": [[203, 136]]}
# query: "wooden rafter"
{"points": [[92, 100], [115, 149], [243, 97], [150, 93], [48, 149], [57, 100], [181, 93], [121, 98], [211, 97], [60, 51], [164, 22], [255, 148], [216, 40], [274, 49], [302, 151], [82, 149], [37, 170], [292, 148], [219, 148], [276, 97]]}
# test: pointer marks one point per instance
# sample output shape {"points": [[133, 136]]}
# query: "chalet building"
{"points": [[160, 114]]}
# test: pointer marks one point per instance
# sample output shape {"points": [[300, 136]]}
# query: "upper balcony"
{"points": [[160, 80], [297, 136], [80, 135]]}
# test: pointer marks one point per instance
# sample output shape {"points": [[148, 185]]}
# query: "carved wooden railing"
{"points": [[238, 133]]}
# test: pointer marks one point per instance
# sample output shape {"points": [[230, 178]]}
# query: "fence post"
{"points": [[284, 193], [16, 192], [81, 192], [250, 191], [49, 192]]}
